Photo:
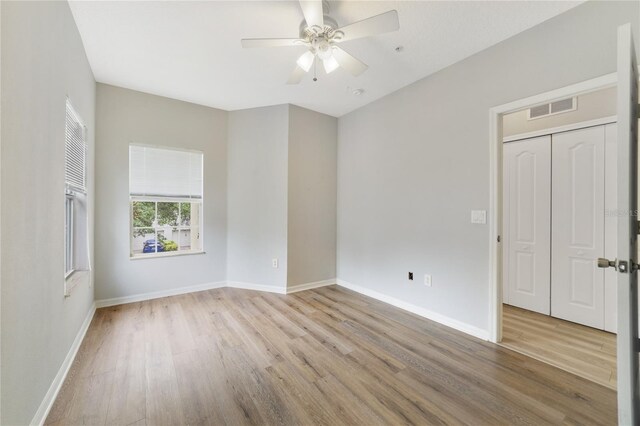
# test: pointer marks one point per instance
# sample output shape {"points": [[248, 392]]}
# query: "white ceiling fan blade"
{"points": [[379, 24], [348, 62], [312, 11], [330, 64], [296, 75], [270, 42]]}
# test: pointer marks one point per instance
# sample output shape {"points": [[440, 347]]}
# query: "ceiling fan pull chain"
{"points": [[315, 67]]}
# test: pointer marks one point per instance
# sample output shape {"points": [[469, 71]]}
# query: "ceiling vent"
{"points": [[553, 108]]}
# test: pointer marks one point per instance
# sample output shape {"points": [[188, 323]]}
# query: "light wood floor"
{"points": [[584, 351], [326, 356]]}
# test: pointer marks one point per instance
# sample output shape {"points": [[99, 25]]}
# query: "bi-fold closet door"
{"points": [[526, 221], [557, 191]]}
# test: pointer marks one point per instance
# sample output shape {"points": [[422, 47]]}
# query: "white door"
{"points": [[526, 223], [627, 256], [577, 284], [610, 225]]}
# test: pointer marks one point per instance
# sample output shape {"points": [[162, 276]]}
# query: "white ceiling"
{"points": [[191, 50]]}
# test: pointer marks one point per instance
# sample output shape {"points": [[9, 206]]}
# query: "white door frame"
{"points": [[495, 183]]}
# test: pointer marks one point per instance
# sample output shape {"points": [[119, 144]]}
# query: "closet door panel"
{"points": [[577, 285], [526, 249]]}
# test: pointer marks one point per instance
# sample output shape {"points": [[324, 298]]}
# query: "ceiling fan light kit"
{"points": [[320, 33], [306, 60]]}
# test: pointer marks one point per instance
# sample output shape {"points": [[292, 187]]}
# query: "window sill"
{"points": [[72, 280], [170, 254]]}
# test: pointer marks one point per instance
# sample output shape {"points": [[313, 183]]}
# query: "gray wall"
{"points": [[412, 165], [598, 104], [257, 195], [43, 61], [312, 196], [124, 117]]}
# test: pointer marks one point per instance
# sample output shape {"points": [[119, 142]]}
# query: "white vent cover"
{"points": [[553, 108]]}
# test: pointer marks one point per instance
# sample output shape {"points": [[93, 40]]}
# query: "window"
{"points": [[68, 232], [165, 192], [76, 253]]}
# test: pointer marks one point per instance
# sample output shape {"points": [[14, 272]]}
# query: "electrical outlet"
{"points": [[410, 276], [274, 263], [427, 280]]}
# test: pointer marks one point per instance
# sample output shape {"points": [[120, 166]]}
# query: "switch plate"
{"points": [[427, 280], [274, 263], [479, 216]]}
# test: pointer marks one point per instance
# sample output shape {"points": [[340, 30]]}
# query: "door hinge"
{"points": [[498, 238]]}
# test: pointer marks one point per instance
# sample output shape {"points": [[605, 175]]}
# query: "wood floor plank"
{"points": [[326, 356], [306, 395], [197, 396], [582, 350], [458, 373], [127, 402], [91, 401], [228, 401], [163, 405], [261, 349], [289, 352], [333, 342], [268, 406]]}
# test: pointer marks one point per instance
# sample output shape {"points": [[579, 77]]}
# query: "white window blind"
{"points": [[75, 151], [161, 172]]}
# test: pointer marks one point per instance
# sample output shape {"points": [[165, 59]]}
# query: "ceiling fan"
{"points": [[321, 35]]}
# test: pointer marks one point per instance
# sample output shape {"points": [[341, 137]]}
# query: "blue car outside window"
{"points": [[150, 246]]}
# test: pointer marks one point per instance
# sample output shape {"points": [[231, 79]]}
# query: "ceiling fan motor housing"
{"points": [[327, 31], [306, 31]]}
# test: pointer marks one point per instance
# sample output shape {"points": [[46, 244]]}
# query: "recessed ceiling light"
{"points": [[399, 49]]}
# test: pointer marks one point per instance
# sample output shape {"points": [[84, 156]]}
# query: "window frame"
{"points": [[69, 250], [166, 199], [71, 193], [156, 227]]}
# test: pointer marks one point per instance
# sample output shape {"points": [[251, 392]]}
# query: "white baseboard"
{"points": [[103, 303], [309, 286], [52, 393], [257, 287], [433, 316]]}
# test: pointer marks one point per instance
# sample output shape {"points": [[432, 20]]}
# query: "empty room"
{"points": [[319, 212]]}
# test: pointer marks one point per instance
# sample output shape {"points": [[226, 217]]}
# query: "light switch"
{"points": [[479, 216]]}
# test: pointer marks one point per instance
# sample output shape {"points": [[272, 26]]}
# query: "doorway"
{"points": [[533, 316]]}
